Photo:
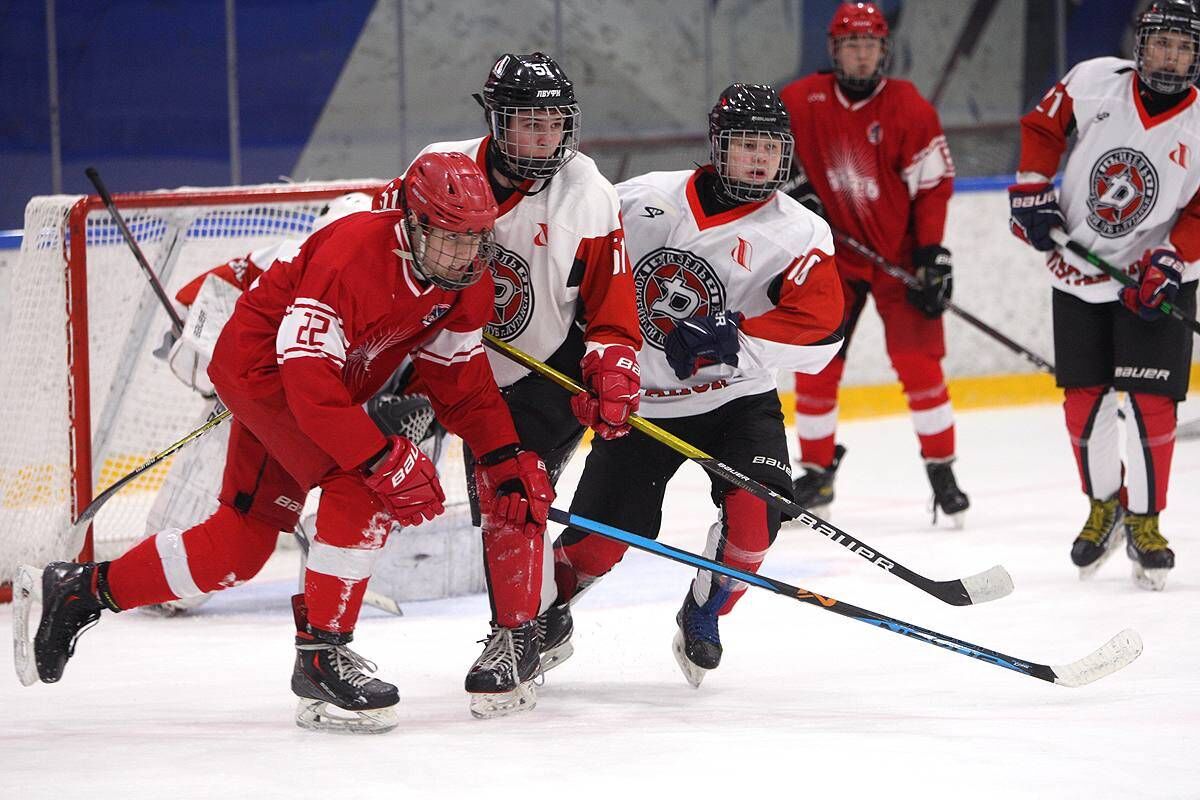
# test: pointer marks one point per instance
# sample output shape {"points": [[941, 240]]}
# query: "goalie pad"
{"points": [[206, 317]]}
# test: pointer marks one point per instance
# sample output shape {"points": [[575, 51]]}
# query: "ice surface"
{"points": [[805, 702]]}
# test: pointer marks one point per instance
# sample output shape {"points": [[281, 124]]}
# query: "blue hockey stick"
{"points": [[1119, 652]]}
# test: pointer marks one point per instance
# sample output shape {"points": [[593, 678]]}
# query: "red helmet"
{"points": [[444, 196], [858, 19], [449, 191]]}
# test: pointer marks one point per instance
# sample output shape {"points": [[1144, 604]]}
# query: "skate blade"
{"points": [[501, 704], [27, 590], [1154, 580], [318, 715], [693, 674], [557, 655], [959, 520]]}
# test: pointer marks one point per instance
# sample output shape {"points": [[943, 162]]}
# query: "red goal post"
{"points": [[85, 396]]}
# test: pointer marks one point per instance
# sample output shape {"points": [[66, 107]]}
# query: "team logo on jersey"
{"points": [[514, 295], [1181, 155], [541, 238], [1123, 188], [652, 212], [741, 253], [875, 133], [437, 312], [671, 285]]}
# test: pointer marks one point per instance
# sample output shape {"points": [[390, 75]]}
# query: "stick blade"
{"points": [[991, 584], [1118, 653]]}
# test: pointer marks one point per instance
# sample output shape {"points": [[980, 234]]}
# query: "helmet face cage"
{"points": [[534, 143], [747, 149], [853, 82], [449, 259], [1181, 50]]}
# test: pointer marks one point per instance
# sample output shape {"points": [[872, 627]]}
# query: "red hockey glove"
{"points": [[406, 481], [1162, 272], [614, 378], [514, 488], [1033, 212]]}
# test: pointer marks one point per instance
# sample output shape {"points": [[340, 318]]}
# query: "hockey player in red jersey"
{"points": [[874, 162], [306, 345], [563, 295], [1130, 194], [735, 281]]}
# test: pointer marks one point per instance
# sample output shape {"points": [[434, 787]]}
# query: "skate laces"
{"points": [[501, 650], [1143, 529], [700, 621], [1100, 520], [349, 665]]}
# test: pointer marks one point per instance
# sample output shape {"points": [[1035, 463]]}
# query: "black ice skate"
{"points": [[947, 497], [501, 681], [1148, 550], [328, 673], [1100, 536], [70, 606], [554, 635], [697, 643], [814, 489]]}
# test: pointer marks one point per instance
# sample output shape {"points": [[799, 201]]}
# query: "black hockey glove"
{"points": [[931, 266], [801, 190], [700, 341], [1033, 212]]}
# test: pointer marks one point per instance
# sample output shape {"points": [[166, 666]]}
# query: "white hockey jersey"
{"points": [[1127, 180], [771, 261], [561, 261]]}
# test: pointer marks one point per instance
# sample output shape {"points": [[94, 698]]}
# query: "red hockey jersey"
{"points": [[330, 325], [880, 165]]}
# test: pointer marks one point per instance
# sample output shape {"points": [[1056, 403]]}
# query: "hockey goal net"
{"points": [[87, 399]]}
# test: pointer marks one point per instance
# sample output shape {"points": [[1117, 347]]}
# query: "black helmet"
{"points": [[532, 91], [744, 116], [1171, 16]]}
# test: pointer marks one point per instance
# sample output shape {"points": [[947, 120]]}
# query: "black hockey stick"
{"points": [[911, 281], [155, 284], [1061, 238], [987, 585], [1118, 652]]}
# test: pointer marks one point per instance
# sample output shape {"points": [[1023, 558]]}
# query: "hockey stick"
{"points": [[155, 284], [1117, 653], [911, 281], [1061, 238], [988, 585], [218, 415]]}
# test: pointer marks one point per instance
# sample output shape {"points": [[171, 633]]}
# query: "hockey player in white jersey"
{"points": [[735, 280], [563, 295], [1130, 195]]}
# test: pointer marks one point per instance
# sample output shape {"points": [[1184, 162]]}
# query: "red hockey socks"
{"points": [[352, 527], [226, 549], [1149, 446]]}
